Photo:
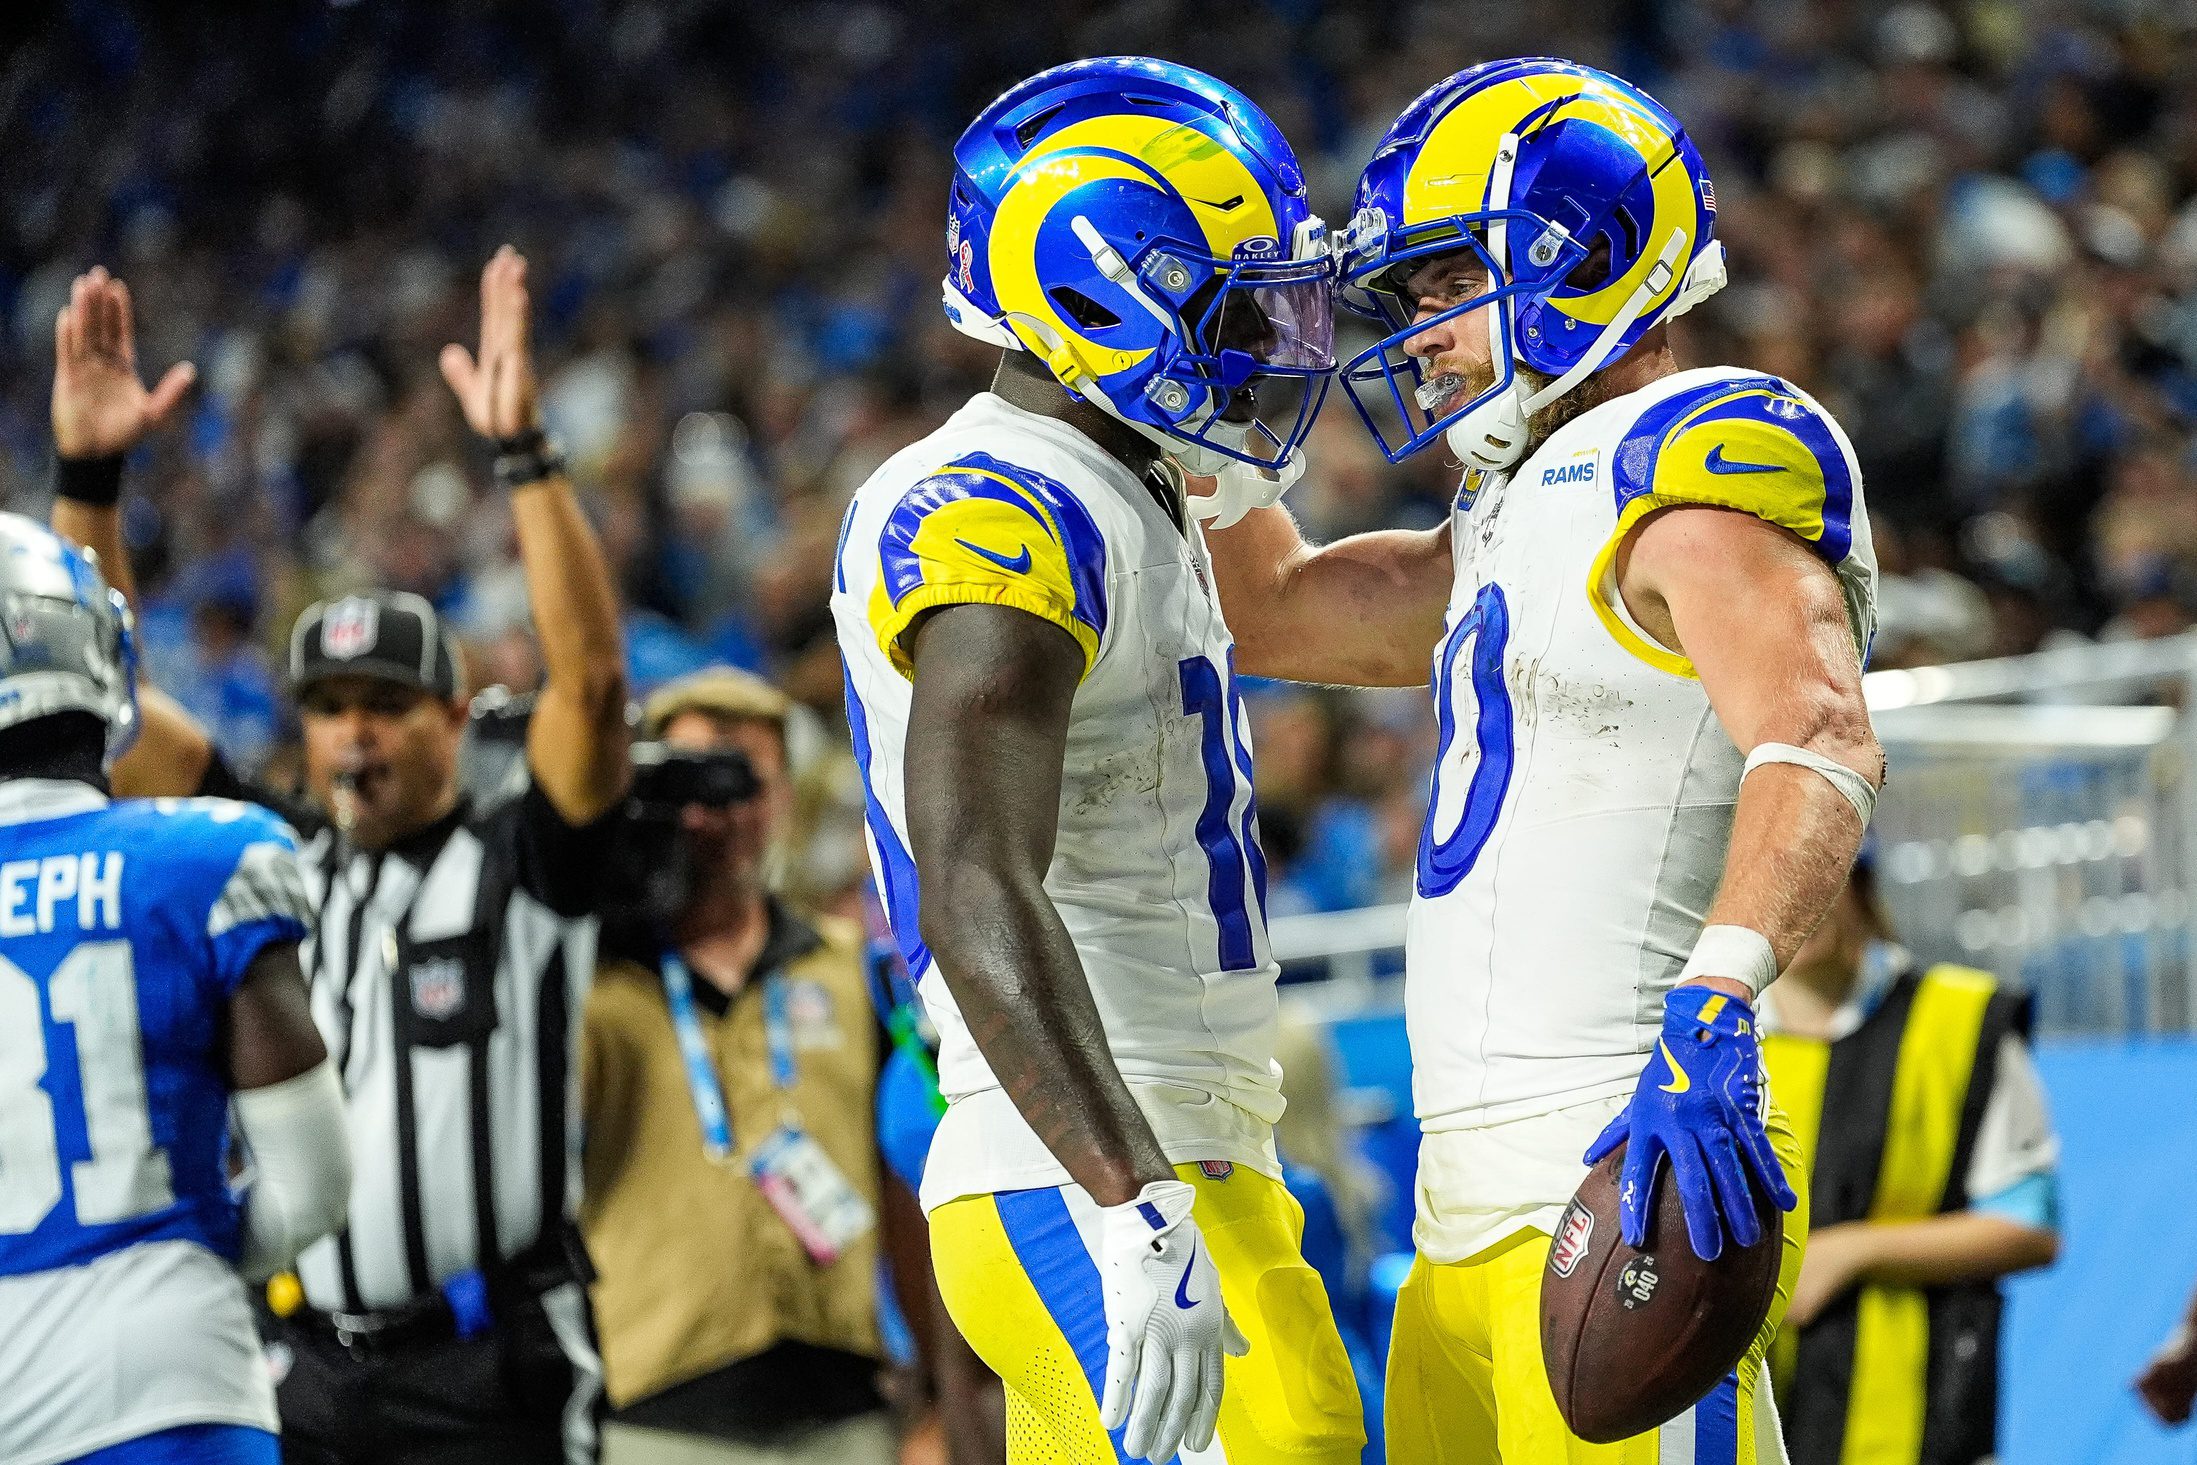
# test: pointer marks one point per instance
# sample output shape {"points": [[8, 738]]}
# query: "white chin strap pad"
{"points": [[1858, 792], [1492, 436], [1238, 488]]}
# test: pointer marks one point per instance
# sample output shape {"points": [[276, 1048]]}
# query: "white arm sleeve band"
{"points": [[1740, 953], [1851, 786], [300, 1145]]}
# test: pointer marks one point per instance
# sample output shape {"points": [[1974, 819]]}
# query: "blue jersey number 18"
{"points": [[95, 991], [1219, 708]]}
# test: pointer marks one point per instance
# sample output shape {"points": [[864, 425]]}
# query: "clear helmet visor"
{"points": [[1262, 347]]}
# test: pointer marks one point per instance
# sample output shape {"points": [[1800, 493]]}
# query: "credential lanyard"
{"points": [[708, 1094]]}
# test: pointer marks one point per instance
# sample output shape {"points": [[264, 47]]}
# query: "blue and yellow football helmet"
{"points": [[1537, 167], [1143, 229]]}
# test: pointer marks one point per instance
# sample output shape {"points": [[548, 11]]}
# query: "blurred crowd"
{"points": [[1967, 227]]}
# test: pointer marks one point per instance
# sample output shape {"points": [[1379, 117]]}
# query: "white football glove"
{"points": [[1165, 1326]]}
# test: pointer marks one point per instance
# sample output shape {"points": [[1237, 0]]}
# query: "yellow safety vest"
{"points": [[1887, 1117]]}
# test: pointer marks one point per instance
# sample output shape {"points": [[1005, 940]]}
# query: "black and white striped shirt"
{"points": [[448, 974]]}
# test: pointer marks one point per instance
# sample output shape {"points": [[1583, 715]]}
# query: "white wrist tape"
{"points": [[300, 1144], [1740, 953], [1851, 786]]}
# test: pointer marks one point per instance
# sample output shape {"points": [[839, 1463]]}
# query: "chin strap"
{"points": [[1657, 281], [1238, 488]]}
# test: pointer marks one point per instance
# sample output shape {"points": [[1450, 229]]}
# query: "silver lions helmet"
{"points": [[67, 641]]}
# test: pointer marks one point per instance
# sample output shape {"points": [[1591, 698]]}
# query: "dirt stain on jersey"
{"points": [[1583, 707]]}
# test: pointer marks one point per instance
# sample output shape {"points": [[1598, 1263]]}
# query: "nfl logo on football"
{"points": [[1572, 1234]]}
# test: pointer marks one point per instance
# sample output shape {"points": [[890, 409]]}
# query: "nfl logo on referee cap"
{"points": [[349, 627]]}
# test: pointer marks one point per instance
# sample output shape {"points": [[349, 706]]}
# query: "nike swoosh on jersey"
{"points": [[1019, 565], [1718, 463], [1679, 1082], [1182, 1288]]}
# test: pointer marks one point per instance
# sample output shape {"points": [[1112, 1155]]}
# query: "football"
{"points": [[1634, 1337]]}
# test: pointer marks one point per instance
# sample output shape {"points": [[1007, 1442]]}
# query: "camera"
{"points": [[651, 869], [667, 779]]}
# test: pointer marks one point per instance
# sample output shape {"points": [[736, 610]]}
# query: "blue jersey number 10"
{"points": [[1219, 708], [95, 991], [1444, 860]]}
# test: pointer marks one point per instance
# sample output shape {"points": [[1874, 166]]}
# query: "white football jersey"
{"points": [[1583, 789], [133, 1342], [1156, 869]]}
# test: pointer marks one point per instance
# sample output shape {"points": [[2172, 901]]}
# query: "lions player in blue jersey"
{"points": [[149, 992]]}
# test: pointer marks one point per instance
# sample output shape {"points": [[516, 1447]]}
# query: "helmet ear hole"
{"points": [[1593, 272], [1087, 313]]}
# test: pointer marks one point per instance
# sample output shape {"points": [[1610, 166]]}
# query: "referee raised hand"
{"points": [[454, 944]]}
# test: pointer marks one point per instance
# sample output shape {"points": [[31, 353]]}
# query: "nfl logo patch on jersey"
{"points": [[438, 987], [1217, 1169], [349, 628], [1572, 1234]]}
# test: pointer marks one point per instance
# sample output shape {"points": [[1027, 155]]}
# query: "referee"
{"points": [[448, 1322]]}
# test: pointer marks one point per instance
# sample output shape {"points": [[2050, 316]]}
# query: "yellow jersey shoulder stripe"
{"points": [[980, 530], [1750, 443]]}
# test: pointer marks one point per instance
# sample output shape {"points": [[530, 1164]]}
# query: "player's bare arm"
{"points": [[1365, 611], [269, 1035], [576, 741], [986, 735], [101, 411], [1766, 626]]}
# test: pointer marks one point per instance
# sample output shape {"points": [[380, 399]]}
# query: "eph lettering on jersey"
{"points": [[1572, 1234], [34, 893], [1581, 469]]}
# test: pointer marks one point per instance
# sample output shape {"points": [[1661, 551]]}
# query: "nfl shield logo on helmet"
{"points": [[1572, 1234], [438, 987], [349, 628]]}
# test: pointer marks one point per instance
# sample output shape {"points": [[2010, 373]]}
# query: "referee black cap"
{"points": [[391, 635]]}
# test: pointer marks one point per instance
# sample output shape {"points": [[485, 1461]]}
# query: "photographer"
{"points": [[729, 1072]]}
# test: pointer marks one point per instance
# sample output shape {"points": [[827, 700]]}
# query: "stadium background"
{"points": [[1969, 229]]}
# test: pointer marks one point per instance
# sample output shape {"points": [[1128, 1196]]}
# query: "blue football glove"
{"points": [[1700, 1104]]}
